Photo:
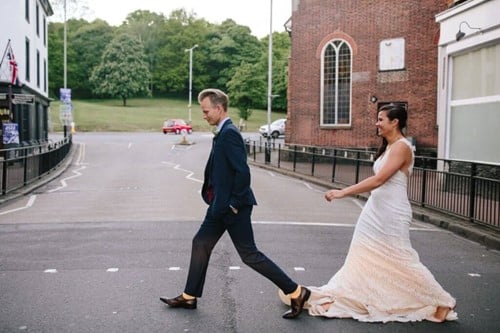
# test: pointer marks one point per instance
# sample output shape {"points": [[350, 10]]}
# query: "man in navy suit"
{"points": [[226, 190]]}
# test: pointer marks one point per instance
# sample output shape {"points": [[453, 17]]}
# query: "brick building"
{"points": [[348, 58]]}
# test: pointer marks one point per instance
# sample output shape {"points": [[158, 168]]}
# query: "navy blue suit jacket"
{"points": [[227, 175]]}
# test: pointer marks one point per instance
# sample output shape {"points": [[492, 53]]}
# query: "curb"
{"points": [[472, 231]]}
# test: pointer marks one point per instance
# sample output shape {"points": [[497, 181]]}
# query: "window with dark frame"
{"points": [[336, 84], [27, 10], [27, 57], [38, 68], [37, 19]]}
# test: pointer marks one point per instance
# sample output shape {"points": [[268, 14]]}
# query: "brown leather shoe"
{"points": [[297, 304], [180, 302]]}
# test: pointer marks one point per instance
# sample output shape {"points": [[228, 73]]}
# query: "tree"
{"points": [[247, 89], [227, 46], [87, 46], [123, 71], [148, 27]]}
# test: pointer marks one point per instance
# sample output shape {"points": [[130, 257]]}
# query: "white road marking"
{"points": [[326, 224], [297, 269], [63, 181], [50, 270], [76, 172], [112, 270], [174, 268], [30, 203], [129, 145], [234, 268], [474, 274], [189, 172]]}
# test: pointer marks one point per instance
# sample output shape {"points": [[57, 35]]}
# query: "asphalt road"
{"points": [[94, 249]]}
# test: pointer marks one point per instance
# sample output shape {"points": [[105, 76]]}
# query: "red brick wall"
{"points": [[364, 24]]}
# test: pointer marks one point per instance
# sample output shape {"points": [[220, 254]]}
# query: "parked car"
{"points": [[277, 128], [176, 126]]}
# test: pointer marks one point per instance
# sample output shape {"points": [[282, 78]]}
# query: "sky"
{"points": [[252, 13]]}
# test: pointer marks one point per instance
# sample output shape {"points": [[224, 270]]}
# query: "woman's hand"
{"points": [[334, 194]]}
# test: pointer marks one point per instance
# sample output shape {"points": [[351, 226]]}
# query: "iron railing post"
{"points": [[294, 157], [334, 165], [472, 191], [357, 168], [424, 182], [313, 160]]}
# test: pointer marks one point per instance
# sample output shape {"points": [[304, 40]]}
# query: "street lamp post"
{"points": [[190, 77], [269, 87]]}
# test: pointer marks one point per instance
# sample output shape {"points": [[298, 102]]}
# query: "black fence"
{"points": [[24, 165], [463, 189]]}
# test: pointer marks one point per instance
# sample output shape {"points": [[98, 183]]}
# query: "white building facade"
{"points": [[24, 37], [468, 113]]}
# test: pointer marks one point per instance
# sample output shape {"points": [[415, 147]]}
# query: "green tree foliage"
{"points": [[247, 89], [228, 57], [123, 71], [87, 45], [228, 46], [55, 45], [148, 27]]}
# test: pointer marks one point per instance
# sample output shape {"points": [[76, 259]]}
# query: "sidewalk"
{"points": [[472, 231]]}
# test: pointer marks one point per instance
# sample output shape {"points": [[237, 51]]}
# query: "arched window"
{"points": [[336, 66]]}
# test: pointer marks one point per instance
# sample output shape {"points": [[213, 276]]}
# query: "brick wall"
{"points": [[364, 24]]}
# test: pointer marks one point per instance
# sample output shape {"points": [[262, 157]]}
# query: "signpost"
{"points": [[65, 109]]}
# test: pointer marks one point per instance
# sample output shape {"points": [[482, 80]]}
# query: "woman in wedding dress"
{"points": [[382, 278]]}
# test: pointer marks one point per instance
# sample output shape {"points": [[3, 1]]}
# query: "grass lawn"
{"points": [[143, 115]]}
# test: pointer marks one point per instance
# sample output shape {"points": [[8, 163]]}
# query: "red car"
{"points": [[176, 126]]}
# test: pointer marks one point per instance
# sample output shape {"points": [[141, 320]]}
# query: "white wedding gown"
{"points": [[382, 278]]}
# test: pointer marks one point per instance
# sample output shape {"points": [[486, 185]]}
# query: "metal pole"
{"points": [[269, 86], [65, 39], [190, 77], [65, 128]]}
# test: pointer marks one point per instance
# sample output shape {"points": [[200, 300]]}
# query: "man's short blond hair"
{"points": [[216, 96]]}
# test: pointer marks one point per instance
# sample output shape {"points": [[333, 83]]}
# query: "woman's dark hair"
{"points": [[393, 111]]}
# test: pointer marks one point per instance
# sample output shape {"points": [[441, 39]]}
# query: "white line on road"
{"points": [[63, 181], [325, 224], [30, 203], [189, 172]]}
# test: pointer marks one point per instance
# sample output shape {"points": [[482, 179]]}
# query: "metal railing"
{"points": [[23, 165], [463, 189]]}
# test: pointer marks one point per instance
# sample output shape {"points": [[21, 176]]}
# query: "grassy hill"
{"points": [[143, 115]]}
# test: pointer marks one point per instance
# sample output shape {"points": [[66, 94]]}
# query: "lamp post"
{"points": [[190, 77], [269, 87]]}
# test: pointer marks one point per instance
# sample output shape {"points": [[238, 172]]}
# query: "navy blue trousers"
{"points": [[240, 230]]}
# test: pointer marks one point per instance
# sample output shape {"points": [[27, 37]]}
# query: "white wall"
{"points": [[13, 26]]}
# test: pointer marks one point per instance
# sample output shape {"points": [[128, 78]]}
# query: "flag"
{"points": [[13, 66]]}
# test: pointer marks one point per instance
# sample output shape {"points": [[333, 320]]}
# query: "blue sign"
{"points": [[65, 95], [10, 133]]}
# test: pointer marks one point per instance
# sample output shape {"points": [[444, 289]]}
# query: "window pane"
{"points": [[477, 73], [474, 132], [336, 84], [329, 85]]}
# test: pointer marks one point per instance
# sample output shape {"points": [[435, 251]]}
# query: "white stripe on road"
{"points": [[30, 203], [189, 172], [324, 224], [81, 156]]}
